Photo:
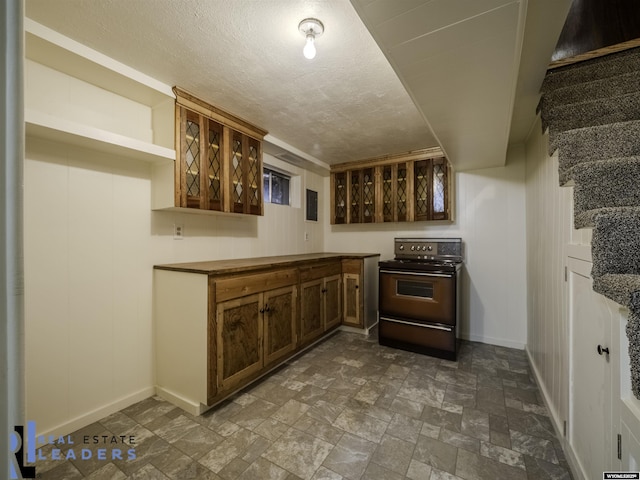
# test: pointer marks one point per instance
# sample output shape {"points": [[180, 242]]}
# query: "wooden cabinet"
{"points": [[219, 162], [279, 323], [401, 188], [394, 193], [332, 301], [320, 306], [255, 323], [239, 339], [220, 325], [253, 332], [352, 293]]}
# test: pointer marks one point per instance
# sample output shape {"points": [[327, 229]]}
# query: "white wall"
{"points": [[490, 218], [91, 241], [548, 233]]}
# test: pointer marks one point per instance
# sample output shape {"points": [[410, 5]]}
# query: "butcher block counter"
{"points": [[219, 325]]}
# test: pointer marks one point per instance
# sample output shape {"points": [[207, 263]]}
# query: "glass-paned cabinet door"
{"points": [[394, 193], [340, 197], [368, 195], [355, 196], [214, 166], [422, 189], [254, 177], [190, 165], [238, 197], [387, 193], [400, 185], [440, 190]]}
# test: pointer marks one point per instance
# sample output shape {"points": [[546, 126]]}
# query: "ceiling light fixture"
{"points": [[310, 28]]}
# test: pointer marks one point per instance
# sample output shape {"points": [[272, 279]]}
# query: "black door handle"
{"points": [[602, 350]]}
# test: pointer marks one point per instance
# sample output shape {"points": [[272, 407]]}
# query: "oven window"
{"points": [[414, 289]]}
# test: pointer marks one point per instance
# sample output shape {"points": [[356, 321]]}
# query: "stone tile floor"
{"points": [[346, 409]]}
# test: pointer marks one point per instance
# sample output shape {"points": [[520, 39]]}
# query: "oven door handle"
{"points": [[404, 322], [417, 274]]}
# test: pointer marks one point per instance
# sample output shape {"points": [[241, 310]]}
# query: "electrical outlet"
{"points": [[178, 232], [306, 236]]}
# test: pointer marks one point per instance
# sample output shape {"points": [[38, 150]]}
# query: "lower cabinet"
{"points": [[320, 306], [253, 332], [352, 292], [218, 329]]}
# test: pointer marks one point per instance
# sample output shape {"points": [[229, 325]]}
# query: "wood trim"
{"points": [[181, 152], [411, 202], [425, 153], [212, 356], [204, 170], [600, 52], [226, 172], [377, 188], [192, 102], [332, 198]]}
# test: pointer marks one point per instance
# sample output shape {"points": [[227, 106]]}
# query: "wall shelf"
{"points": [[45, 126], [78, 96]]}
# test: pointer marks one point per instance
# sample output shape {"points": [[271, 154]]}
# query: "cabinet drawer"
{"points": [[239, 286], [320, 271], [352, 266]]}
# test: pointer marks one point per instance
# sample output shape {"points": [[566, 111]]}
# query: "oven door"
{"points": [[420, 296]]}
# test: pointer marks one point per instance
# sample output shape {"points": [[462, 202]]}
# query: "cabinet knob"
{"points": [[266, 308], [324, 290], [357, 287], [602, 350]]}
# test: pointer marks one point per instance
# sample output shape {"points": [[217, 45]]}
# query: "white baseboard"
{"points": [[99, 413], [558, 423], [500, 342], [178, 400]]}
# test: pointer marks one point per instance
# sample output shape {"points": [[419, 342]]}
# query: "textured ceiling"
{"points": [[245, 56], [462, 74]]}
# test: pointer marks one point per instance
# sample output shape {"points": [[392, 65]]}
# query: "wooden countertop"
{"points": [[218, 267]]}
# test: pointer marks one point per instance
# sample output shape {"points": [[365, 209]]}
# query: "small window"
{"points": [[276, 187]]}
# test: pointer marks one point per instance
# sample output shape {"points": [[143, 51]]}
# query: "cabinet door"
{"points": [[245, 174], [311, 306], [279, 323], [368, 196], [239, 341], [422, 189], [339, 198], [440, 171], [590, 383], [394, 193], [214, 190], [332, 300], [352, 299], [355, 197], [189, 167]]}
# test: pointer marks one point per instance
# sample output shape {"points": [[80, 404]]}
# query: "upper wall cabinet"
{"points": [[218, 165], [78, 96], [415, 186]]}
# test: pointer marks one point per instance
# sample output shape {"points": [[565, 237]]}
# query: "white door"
{"points": [[590, 392]]}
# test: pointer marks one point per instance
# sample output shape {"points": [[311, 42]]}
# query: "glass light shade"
{"points": [[309, 50]]}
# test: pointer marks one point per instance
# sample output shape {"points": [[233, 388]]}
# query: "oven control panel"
{"points": [[428, 248]]}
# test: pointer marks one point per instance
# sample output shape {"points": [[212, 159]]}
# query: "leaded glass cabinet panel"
{"points": [[214, 166], [219, 164], [339, 197], [368, 195], [355, 197], [404, 188]]}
